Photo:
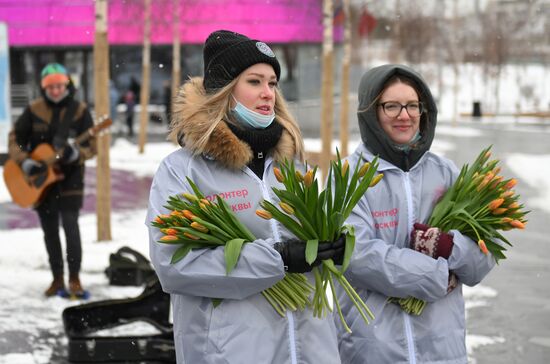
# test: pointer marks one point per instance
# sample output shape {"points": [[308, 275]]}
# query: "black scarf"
{"points": [[261, 141]]}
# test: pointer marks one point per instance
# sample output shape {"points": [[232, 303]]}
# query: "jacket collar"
{"points": [[191, 121], [385, 165]]}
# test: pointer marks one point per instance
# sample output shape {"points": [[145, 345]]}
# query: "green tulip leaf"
{"points": [[311, 250]]}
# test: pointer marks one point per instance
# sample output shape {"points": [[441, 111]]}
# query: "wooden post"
{"points": [[146, 78], [456, 60], [176, 47], [344, 96], [394, 51], [440, 46], [327, 112], [101, 97]]}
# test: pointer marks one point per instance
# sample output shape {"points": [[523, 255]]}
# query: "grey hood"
{"points": [[373, 136]]}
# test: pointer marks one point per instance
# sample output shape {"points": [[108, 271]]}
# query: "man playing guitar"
{"points": [[52, 121]]}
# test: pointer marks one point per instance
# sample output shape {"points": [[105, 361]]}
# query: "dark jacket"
{"points": [[38, 124]]}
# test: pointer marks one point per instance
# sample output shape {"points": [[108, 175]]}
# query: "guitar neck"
{"points": [[84, 136], [92, 131]]}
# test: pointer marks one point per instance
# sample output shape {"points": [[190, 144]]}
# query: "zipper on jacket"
{"points": [[406, 318], [289, 314], [408, 193], [409, 335], [273, 222], [291, 338], [266, 196]]}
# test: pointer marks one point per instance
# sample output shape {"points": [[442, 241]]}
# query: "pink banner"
{"points": [[71, 22]]}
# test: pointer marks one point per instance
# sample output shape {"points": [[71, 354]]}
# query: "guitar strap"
{"points": [[61, 127]]}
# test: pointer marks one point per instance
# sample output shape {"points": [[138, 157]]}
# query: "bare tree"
{"points": [[416, 33], [101, 96], [146, 77], [495, 51], [327, 88], [497, 43], [176, 47], [344, 96]]}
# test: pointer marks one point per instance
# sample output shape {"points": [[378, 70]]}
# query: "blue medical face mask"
{"points": [[251, 118]]}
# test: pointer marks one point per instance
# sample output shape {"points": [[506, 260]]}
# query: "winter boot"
{"points": [[56, 286], [75, 288]]}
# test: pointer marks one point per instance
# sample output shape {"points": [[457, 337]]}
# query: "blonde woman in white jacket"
{"points": [[234, 127]]}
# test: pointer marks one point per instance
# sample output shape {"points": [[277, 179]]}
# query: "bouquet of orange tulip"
{"points": [[197, 223], [313, 217], [480, 204]]}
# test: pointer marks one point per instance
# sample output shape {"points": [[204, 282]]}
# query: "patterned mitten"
{"points": [[431, 241]]}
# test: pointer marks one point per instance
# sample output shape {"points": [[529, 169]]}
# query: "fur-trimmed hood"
{"points": [[190, 122]]}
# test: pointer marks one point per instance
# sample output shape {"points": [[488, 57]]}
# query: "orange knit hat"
{"points": [[52, 74]]}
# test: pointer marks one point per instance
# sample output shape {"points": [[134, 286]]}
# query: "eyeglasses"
{"points": [[393, 108]]}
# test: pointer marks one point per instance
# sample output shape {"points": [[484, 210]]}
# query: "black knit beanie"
{"points": [[227, 54]]}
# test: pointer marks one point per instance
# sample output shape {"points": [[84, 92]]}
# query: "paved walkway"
{"points": [[519, 314]]}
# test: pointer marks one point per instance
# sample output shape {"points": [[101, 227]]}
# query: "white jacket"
{"points": [[244, 328], [383, 266]]}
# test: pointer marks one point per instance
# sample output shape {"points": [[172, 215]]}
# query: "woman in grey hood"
{"points": [[396, 255]]}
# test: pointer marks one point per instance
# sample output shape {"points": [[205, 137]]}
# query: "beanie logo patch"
{"points": [[264, 48]]}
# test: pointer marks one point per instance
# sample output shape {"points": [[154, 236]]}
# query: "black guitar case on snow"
{"points": [[152, 306], [128, 267]]}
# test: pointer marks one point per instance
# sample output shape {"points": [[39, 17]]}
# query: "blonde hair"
{"points": [[218, 107], [285, 118]]}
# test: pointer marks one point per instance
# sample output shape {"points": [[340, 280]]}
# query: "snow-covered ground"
{"points": [[24, 271]]}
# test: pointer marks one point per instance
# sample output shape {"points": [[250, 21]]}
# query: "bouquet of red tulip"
{"points": [[314, 216], [480, 204], [197, 223]]}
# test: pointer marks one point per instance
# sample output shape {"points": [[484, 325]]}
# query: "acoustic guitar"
{"points": [[28, 191]]}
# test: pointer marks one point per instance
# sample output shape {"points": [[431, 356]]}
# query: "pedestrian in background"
{"points": [[130, 102], [396, 255], [234, 127], [56, 118], [114, 99]]}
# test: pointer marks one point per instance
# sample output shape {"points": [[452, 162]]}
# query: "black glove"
{"points": [[293, 253], [32, 167], [69, 154]]}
